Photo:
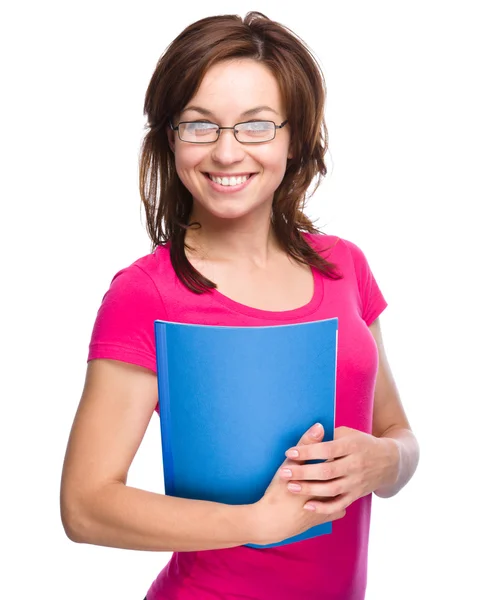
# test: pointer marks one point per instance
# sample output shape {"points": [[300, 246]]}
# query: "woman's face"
{"points": [[232, 92]]}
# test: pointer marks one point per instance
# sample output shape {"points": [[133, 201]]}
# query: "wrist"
{"points": [[391, 471], [255, 524]]}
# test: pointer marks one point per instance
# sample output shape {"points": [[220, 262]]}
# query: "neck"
{"points": [[247, 240]]}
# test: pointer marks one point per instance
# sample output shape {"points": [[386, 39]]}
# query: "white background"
{"points": [[402, 118]]}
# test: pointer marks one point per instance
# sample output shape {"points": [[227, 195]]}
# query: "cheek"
{"points": [[275, 162], [188, 157], [274, 156], [186, 161]]}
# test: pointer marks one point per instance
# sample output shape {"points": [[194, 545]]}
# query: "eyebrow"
{"points": [[247, 113]]}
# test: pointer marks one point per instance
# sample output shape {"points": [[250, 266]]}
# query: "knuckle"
{"points": [[304, 453], [327, 471], [305, 489], [334, 489], [361, 480], [359, 462], [305, 439], [345, 502], [329, 508]]}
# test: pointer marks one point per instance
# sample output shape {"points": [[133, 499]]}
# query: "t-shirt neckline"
{"points": [[301, 311], [274, 315]]}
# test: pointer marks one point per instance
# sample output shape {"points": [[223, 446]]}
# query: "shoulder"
{"points": [[124, 324], [134, 291], [334, 247], [355, 269], [142, 275]]}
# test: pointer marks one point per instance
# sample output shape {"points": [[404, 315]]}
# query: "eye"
{"points": [[198, 126], [256, 126], [256, 130]]}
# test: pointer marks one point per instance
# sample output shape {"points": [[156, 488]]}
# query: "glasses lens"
{"points": [[198, 132], [255, 131]]}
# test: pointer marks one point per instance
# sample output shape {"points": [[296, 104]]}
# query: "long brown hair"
{"points": [[176, 79]]}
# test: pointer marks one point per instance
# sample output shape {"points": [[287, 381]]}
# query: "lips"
{"points": [[229, 175], [235, 182], [237, 178]]}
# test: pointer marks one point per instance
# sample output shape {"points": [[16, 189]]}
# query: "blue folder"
{"points": [[232, 400]]}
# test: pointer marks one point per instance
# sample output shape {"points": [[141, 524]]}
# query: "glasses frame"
{"points": [[176, 128]]}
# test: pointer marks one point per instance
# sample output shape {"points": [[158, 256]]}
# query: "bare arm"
{"points": [[97, 507], [390, 422]]}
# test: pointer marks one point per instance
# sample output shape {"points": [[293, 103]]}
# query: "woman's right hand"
{"points": [[280, 514]]}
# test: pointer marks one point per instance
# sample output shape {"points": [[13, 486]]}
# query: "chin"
{"points": [[231, 206], [232, 210], [229, 215]]}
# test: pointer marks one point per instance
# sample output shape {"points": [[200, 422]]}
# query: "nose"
{"points": [[227, 150]]}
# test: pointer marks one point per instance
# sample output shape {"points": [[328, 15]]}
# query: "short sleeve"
{"points": [[372, 299], [124, 325]]}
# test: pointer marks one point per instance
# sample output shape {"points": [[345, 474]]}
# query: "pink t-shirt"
{"points": [[328, 567]]}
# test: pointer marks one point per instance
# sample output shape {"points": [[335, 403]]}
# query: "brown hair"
{"points": [[176, 79]]}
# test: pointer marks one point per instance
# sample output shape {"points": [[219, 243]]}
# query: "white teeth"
{"points": [[229, 180]]}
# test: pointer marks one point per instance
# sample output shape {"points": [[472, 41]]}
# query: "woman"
{"points": [[236, 136]]}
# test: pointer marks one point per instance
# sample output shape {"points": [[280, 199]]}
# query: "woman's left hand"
{"points": [[357, 463]]}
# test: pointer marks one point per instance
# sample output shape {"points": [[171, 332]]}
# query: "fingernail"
{"points": [[309, 507], [292, 454], [316, 430]]}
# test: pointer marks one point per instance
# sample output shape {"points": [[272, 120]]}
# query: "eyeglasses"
{"points": [[204, 132]]}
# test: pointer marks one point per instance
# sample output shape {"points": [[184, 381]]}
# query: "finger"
{"points": [[325, 490], [325, 451], [323, 471], [312, 436], [332, 517], [331, 506]]}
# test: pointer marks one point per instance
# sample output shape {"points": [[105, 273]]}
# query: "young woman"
{"points": [[236, 135]]}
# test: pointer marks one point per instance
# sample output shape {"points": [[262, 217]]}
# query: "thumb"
{"points": [[312, 436]]}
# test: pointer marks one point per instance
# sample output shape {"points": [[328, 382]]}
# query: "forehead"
{"points": [[234, 86]]}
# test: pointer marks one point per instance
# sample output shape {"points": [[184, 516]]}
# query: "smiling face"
{"points": [[232, 92]]}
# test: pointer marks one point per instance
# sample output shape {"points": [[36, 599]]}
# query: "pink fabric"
{"points": [[329, 567]]}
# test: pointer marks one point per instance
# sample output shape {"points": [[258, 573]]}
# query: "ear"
{"points": [[171, 137], [290, 154]]}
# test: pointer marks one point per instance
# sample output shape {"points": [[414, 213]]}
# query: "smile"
{"points": [[229, 184], [229, 180]]}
